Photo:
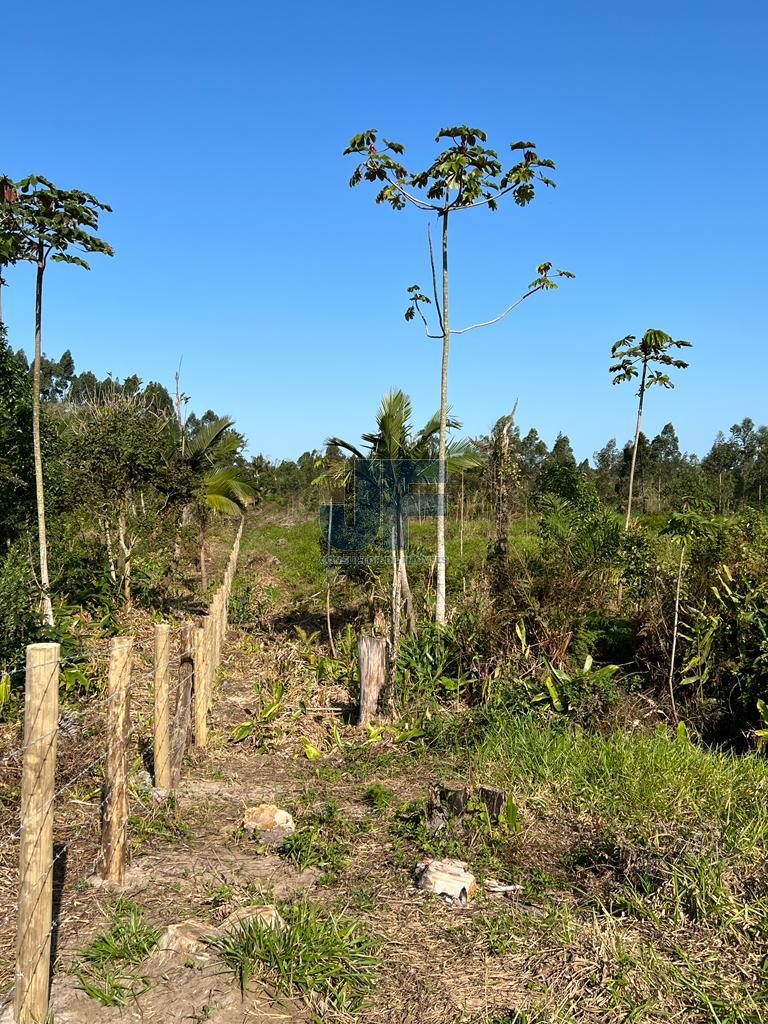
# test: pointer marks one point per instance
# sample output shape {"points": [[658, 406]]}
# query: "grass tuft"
{"points": [[106, 969], [324, 957]]}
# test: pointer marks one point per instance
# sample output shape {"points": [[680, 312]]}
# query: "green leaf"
{"points": [[242, 731], [512, 816], [310, 750]]}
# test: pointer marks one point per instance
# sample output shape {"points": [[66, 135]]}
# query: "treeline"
{"points": [[131, 481], [732, 474]]}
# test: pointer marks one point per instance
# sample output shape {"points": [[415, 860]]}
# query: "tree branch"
{"points": [[487, 323], [434, 279], [413, 199], [482, 202], [417, 307]]}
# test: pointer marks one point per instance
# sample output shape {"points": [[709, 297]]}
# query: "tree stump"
{"points": [[373, 657], [494, 799], [450, 797]]}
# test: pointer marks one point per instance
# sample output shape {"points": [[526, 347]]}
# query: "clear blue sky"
{"points": [[215, 131]]}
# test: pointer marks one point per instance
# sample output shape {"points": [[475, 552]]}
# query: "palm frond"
{"points": [[223, 505], [226, 490], [205, 441], [461, 455], [432, 426], [339, 443]]}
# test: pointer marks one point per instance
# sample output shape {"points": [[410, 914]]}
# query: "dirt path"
{"points": [[193, 861]]}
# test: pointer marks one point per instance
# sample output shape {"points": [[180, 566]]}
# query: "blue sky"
{"points": [[216, 131]]}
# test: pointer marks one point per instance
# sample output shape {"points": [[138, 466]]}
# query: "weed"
{"points": [[378, 795], [470, 836], [326, 958], [107, 968], [323, 842], [270, 705], [161, 823], [501, 931]]}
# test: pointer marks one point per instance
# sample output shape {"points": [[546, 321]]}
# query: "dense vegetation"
{"points": [[130, 488]]}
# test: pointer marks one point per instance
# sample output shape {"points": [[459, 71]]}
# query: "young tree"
{"points": [[208, 477], [632, 359], [41, 222], [503, 469], [463, 176], [397, 458]]}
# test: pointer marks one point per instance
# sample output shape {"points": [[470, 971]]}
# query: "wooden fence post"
{"points": [[114, 832], [33, 938], [201, 704], [213, 616], [183, 719], [221, 599], [372, 656], [162, 738]]}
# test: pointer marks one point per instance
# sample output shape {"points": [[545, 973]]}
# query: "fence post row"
{"points": [[209, 644], [162, 736], [200, 656], [115, 824], [33, 937], [183, 719]]}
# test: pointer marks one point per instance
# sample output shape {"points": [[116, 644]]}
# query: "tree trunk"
{"points": [[328, 626], [405, 589], [396, 595], [110, 552], [674, 631], [461, 517], [186, 515], [203, 568], [406, 594], [501, 467], [372, 655], [440, 590], [46, 606], [637, 440], [126, 548]]}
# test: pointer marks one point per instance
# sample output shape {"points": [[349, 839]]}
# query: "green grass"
{"points": [[324, 957], [299, 562], [633, 780], [162, 822], [683, 830], [378, 796], [107, 969], [303, 573], [323, 841]]}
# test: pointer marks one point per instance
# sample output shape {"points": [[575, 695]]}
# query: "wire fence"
{"points": [[173, 699]]}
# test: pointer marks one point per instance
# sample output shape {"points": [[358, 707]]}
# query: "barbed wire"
{"points": [[92, 706], [182, 682], [173, 692]]}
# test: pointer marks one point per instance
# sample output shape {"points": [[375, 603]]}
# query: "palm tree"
{"points": [[398, 460], [215, 483]]}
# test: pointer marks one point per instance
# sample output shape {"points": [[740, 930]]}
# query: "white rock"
{"points": [[186, 937], [273, 823], [447, 878], [266, 915]]}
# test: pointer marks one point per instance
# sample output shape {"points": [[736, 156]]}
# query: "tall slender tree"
{"points": [[464, 175], [633, 359], [45, 223], [398, 460]]}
